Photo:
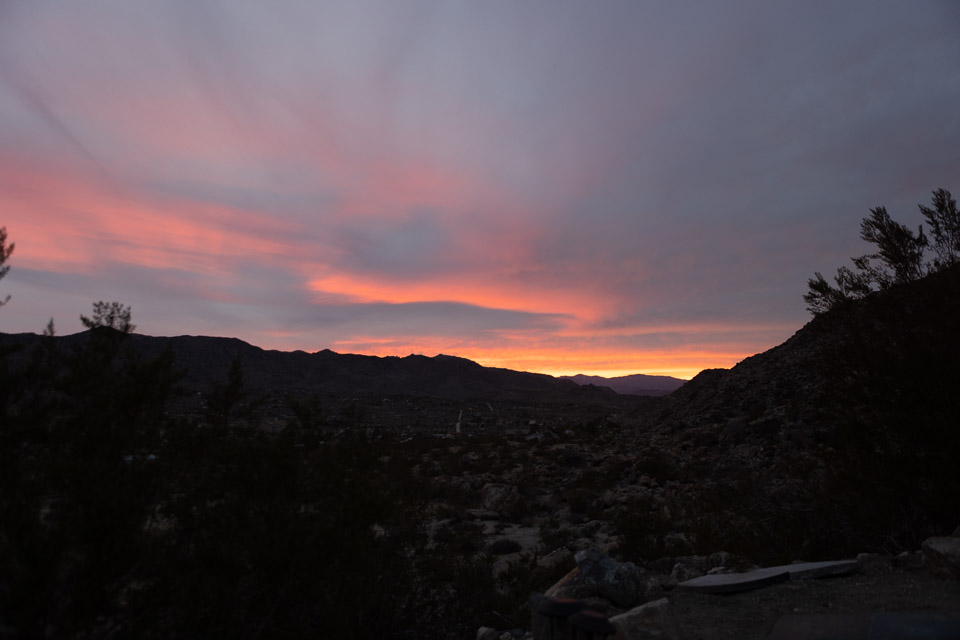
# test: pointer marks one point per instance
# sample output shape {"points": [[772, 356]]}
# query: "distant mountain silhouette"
{"points": [[638, 384], [207, 360]]}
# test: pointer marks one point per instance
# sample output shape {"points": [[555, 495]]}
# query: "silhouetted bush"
{"points": [[899, 257]]}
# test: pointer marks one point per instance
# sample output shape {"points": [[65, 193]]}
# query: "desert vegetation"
{"points": [[900, 255], [5, 253], [119, 518]]}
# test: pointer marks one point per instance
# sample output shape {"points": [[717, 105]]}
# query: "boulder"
{"points": [[651, 620], [874, 562], [620, 583], [721, 560], [566, 581], [698, 564], [555, 559], [499, 497], [909, 560], [682, 572], [653, 589], [486, 633], [625, 587], [595, 566], [942, 555], [548, 501]]}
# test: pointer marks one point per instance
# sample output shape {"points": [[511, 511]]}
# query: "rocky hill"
{"points": [[845, 439], [845, 435], [877, 360]]}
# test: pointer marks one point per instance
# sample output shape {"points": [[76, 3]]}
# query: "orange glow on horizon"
{"points": [[551, 360], [74, 219]]}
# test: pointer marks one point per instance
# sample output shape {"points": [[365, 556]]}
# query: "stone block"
{"points": [[734, 582], [566, 580], [942, 555], [812, 570], [651, 620], [555, 559], [499, 497], [487, 633]]}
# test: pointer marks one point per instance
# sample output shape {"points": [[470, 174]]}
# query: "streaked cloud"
{"points": [[626, 187]]}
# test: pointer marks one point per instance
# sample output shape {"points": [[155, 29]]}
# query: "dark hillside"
{"points": [[880, 359], [845, 436], [206, 361]]}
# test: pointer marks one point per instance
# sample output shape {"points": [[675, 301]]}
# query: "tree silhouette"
{"points": [[944, 222], [899, 251], [899, 255], [109, 314], [5, 252]]}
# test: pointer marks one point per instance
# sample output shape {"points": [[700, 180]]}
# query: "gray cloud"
{"points": [[445, 319], [691, 163]]}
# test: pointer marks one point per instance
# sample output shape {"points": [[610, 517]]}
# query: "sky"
{"points": [[606, 187]]}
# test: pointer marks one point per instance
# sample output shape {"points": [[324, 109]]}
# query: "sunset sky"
{"points": [[565, 187]]}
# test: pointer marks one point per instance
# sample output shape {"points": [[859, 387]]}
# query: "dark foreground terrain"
{"points": [[753, 614], [151, 492]]}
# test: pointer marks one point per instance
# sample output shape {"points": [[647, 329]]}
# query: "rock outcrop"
{"points": [[942, 555], [651, 621]]}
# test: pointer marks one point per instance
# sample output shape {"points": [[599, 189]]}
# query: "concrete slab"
{"points": [[927, 625], [735, 582], [811, 570], [821, 626]]}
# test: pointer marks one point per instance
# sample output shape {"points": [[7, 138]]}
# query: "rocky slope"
{"points": [[854, 418], [842, 440]]}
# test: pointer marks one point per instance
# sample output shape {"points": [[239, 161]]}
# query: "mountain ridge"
{"points": [[443, 375], [207, 359], [637, 384]]}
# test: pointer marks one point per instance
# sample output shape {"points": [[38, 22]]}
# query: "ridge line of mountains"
{"points": [[900, 338], [207, 359]]}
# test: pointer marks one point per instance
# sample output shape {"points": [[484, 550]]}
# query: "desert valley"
{"points": [[204, 487]]}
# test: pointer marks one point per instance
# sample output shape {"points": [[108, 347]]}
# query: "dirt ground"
{"points": [[891, 586]]}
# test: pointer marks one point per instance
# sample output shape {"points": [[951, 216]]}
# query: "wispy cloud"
{"points": [[554, 186]]}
